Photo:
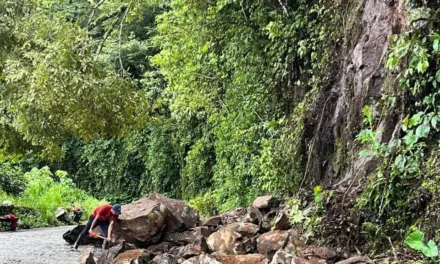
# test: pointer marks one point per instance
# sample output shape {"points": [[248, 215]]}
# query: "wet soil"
{"points": [[39, 246]]}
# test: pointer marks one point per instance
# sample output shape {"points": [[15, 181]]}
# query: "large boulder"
{"points": [[135, 256], [271, 242], [235, 239], [72, 235], [86, 258], [266, 202], [141, 223], [179, 214], [144, 221]]}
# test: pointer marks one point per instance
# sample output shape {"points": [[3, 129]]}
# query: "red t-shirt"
{"points": [[105, 213]]}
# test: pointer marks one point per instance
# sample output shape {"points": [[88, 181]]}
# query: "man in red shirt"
{"points": [[104, 216]]}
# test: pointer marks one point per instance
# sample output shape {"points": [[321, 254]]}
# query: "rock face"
{"points": [[142, 237]]}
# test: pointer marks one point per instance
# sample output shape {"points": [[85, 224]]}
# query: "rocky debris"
{"points": [[158, 230], [187, 251], [212, 221], [110, 254], [241, 259], [236, 239], [202, 259], [161, 247], [166, 259], [234, 216], [281, 222], [201, 244], [282, 257], [357, 259], [271, 242], [134, 256], [182, 238], [86, 258], [253, 216], [202, 231], [322, 252], [266, 202], [298, 260]]}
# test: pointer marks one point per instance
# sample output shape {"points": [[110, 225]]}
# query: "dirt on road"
{"points": [[38, 246]]}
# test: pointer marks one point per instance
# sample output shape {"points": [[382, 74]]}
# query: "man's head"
{"points": [[116, 209]]}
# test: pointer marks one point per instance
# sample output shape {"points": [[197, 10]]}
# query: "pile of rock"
{"points": [[159, 230]]}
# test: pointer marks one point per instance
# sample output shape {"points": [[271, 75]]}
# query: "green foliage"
{"points": [[226, 88], [238, 73], [11, 179], [206, 204], [53, 83], [416, 241], [45, 192]]}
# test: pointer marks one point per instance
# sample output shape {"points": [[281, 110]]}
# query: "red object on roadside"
{"points": [[14, 221]]}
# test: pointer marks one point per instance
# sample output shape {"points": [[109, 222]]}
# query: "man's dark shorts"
{"points": [[102, 224]]}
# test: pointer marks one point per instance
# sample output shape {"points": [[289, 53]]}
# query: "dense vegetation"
{"points": [[43, 192], [214, 102], [122, 96]]}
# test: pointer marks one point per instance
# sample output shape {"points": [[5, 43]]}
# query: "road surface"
{"points": [[38, 246]]}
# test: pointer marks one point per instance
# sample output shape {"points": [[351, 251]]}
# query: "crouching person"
{"points": [[104, 216]]}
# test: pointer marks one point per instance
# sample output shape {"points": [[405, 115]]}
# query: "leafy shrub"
{"points": [[205, 204]]}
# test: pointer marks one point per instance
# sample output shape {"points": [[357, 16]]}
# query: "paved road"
{"points": [[38, 246]]}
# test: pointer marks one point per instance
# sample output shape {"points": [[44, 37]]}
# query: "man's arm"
{"points": [[110, 229], [93, 223]]}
